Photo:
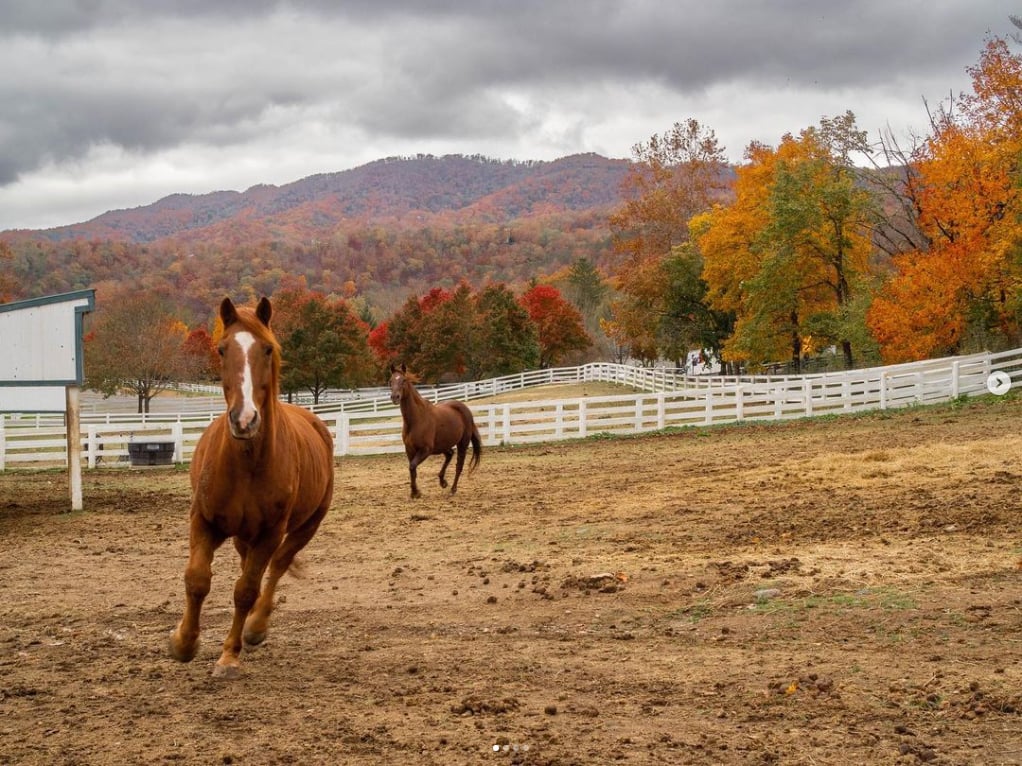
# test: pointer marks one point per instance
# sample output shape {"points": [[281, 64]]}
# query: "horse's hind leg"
{"points": [[259, 620], [448, 454], [246, 591], [462, 451], [203, 541]]}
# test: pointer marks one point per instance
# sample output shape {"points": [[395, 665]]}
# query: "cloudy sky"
{"points": [[112, 104]]}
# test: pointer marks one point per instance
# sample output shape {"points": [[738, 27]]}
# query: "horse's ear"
{"points": [[404, 370], [228, 314], [393, 369], [264, 310]]}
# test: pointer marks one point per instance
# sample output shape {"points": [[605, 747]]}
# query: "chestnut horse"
{"points": [[263, 474], [430, 429]]}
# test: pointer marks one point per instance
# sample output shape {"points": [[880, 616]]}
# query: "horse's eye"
{"points": [[220, 350], [268, 351]]}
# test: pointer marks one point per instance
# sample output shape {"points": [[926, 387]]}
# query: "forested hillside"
{"points": [[383, 230]]}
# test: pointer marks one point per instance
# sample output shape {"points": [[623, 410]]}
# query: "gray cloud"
{"points": [[210, 94]]}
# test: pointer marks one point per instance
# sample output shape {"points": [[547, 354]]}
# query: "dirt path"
{"points": [[834, 591]]}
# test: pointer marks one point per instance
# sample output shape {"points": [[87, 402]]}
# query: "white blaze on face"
{"points": [[248, 409]]}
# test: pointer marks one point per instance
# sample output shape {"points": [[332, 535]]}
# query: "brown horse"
{"points": [[263, 474], [430, 429]]}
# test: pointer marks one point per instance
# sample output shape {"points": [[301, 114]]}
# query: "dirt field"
{"points": [[839, 591]]}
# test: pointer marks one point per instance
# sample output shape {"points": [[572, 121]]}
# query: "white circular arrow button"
{"points": [[999, 383]]}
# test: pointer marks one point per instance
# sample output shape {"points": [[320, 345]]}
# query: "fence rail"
{"points": [[370, 424]]}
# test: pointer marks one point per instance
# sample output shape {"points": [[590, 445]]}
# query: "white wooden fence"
{"points": [[370, 424]]}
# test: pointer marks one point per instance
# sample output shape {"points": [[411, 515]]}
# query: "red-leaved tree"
{"points": [[560, 325]]}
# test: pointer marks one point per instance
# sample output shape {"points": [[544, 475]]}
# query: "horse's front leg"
{"points": [[413, 464], [443, 469], [246, 591], [203, 542]]}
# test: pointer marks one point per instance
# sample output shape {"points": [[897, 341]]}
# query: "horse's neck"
{"points": [[412, 401]]}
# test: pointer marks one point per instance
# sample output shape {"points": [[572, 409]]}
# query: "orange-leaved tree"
{"points": [[963, 289]]}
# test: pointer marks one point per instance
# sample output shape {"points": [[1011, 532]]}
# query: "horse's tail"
{"points": [[477, 449]]}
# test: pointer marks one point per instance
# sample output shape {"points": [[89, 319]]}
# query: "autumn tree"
{"points": [[587, 289], [728, 239], [508, 340], [561, 330], [446, 335], [200, 346], [685, 320], [636, 311], [676, 176], [448, 340], [135, 342], [787, 255], [823, 218], [963, 287], [323, 343], [7, 281], [402, 341], [379, 344]]}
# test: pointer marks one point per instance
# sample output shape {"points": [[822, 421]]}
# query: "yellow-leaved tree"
{"points": [[791, 254]]}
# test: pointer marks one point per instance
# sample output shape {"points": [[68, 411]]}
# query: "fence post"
{"points": [[177, 432], [342, 426], [491, 424], [583, 424], [708, 417], [807, 394], [93, 447], [3, 444], [956, 369], [661, 411], [883, 390], [506, 426]]}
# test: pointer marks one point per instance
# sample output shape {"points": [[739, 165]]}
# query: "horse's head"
{"points": [[249, 365], [397, 383]]}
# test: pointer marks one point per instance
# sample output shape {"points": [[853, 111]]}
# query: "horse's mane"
{"points": [[408, 375]]}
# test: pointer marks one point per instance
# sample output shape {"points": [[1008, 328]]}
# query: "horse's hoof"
{"points": [[443, 484], [254, 638], [226, 672], [178, 652]]}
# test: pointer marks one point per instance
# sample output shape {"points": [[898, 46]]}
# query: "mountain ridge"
{"points": [[456, 188]]}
